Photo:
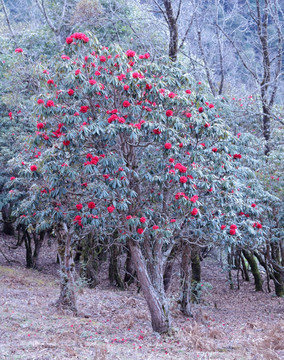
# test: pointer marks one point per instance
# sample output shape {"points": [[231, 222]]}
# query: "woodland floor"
{"points": [[228, 324]]}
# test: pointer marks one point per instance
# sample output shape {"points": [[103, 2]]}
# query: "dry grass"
{"points": [[229, 325]]}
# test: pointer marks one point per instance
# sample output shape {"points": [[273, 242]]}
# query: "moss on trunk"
{"points": [[254, 269]]}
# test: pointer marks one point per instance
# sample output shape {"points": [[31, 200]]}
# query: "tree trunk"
{"points": [[29, 251], [153, 292], [114, 273], [195, 275], [169, 267], [173, 28], [254, 269], [130, 274], [244, 268], [67, 297], [230, 265], [277, 270], [38, 241], [185, 301], [8, 227]]}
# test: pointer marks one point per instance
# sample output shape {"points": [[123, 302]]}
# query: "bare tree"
{"points": [[265, 15], [60, 22], [7, 18], [172, 17]]}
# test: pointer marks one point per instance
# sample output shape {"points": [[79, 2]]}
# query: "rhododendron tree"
{"points": [[105, 170]]}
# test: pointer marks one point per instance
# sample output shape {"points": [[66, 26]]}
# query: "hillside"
{"points": [[229, 324]]}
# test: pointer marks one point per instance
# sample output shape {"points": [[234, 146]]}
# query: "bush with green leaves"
{"points": [[131, 151]]}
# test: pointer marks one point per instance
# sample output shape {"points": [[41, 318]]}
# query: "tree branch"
{"points": [[7, 19], [240, 55], [43, 10]]}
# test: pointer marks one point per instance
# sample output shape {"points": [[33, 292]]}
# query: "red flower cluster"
{"points": [[77, 36], [168, 146], [183, 179], [58, 132], [79, 206], [94, 160], [110, 209], [143, 220], [78, 220], [18, 50], [233, 228], [194, 198], [181, 168], [84, 109], [70, 92], [194, 212], [257, 225], [126, 104], [130, 53], [157, 131], [155, 227], [169, 113], [33, 168], [237, 156], [40, 126], [214, 149], [91, 205], [181, 194], [140, 231], [145, 56], [49, 103]]}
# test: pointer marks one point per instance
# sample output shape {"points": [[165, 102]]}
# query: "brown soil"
{"points": [[228, 324]]}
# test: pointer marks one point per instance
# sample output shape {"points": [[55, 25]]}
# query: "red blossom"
{"points": [[84, 109], [91, 205], [126, 104], [79, 206], [49, 103]]}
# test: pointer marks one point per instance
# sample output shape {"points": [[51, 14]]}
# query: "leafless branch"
{"points": [[7, 19], [178, 12], [239, 54]]}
